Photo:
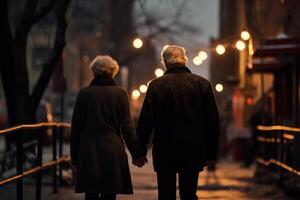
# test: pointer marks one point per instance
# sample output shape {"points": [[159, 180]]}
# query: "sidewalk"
{"points": [[231, 183]]}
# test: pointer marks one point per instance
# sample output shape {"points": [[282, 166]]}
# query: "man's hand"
{"points": [[140, 162], [74, 169]]}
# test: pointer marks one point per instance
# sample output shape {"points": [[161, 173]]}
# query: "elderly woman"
{"points": [[101, 120]]}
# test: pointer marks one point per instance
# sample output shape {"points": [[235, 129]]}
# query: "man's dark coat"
{"points": [[101, 120], [180, 107]]}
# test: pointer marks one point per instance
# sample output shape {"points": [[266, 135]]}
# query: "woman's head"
{"points": [[104, 65], [173, 54]]}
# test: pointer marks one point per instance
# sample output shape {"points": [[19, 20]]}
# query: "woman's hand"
{"points": [[140, 162]]}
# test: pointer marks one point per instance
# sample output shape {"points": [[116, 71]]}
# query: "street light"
{"points": [[245, 35], [219, 87], [197, 60], [143, 88], [240, 45], [220, 49], [202, 55], [137, 43], [135, 94], [158, 72]]}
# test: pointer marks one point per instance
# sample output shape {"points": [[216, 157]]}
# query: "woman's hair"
{"points": [[173, 54], [104, 65]]}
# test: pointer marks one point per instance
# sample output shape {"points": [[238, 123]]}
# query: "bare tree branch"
{"points": [[55, 55], [43, 11], [24, 25]]}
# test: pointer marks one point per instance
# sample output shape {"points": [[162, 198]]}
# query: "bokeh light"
{"points": [[220, 49], [159, 72], [219, 87], [137, 43], [240, 45], [143, 88], [135, 94], [245, 35], [202, 55], [197, 60]]}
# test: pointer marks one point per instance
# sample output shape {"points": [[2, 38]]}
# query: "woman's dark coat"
{"points": [[180, 107], [101, 120]]}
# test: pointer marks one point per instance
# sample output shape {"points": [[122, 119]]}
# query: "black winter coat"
{"points": [[101, 120], [181, 108]]}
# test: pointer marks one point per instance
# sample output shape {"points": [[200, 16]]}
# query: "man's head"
{"points": [[172, 54]]}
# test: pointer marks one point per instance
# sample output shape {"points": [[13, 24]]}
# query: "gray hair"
{"points": [[104, 65], [173, 54]]}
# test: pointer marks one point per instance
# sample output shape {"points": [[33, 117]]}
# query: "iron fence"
{"points": [[275, 148], [57, 157]]}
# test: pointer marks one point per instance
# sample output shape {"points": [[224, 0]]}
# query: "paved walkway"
{"points": [[231, 182]]}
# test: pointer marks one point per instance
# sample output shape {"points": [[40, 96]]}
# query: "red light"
{"points": [[249, 100]]}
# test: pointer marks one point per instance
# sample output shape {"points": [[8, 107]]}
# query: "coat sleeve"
{"points": [[76, 129], [128, 129], [146, 120], [212, 129]]}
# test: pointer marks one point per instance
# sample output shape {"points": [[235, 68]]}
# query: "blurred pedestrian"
{"points": [[101, 120], [260, 117], [181, 108]]}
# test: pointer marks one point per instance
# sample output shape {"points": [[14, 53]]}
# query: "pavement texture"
{"points": [[230, 181]]}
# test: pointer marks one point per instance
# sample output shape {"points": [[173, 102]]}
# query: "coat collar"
{"points": [[177, 68], [102, 80]]}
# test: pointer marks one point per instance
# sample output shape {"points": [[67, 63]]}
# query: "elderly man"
{"points": [[181, 108]]}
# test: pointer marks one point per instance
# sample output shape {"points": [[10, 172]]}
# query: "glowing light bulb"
{"points": [[245, 35], [158, 72], [202, 55], [197, 60], [137, 43], [240, 45], [219, 87], [220, 49], [143, 88], [135, 94]]}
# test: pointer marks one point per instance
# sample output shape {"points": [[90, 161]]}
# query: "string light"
{"points": [[137, 43], [245, 35], [158, 72], [202, 55], [219, 87], [220, 49], [197, 60], [240, 45], [135, 94], [143, 88]]}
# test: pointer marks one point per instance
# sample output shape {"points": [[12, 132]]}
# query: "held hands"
{"points": [[140, 162]]}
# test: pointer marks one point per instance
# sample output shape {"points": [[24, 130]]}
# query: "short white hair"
{"points": [[173, 54], [104, 64]]}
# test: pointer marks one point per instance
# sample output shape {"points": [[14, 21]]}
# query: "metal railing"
{"points": [[39, 129], [275, 144]]}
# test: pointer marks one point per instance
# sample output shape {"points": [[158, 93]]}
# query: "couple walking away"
{"points": [[179, 109]]}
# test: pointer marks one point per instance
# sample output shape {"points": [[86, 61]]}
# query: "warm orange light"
{"points": [[197, 60], [220, 49], [240, 45], [158, 72], [202, 55], [135, 94], [143, 88], [249, 101], [245, 35], [219, 87], [137, 43]]}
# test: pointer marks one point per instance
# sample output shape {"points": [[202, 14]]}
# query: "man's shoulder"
{"points": [[187, 76], [199, 78]]}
